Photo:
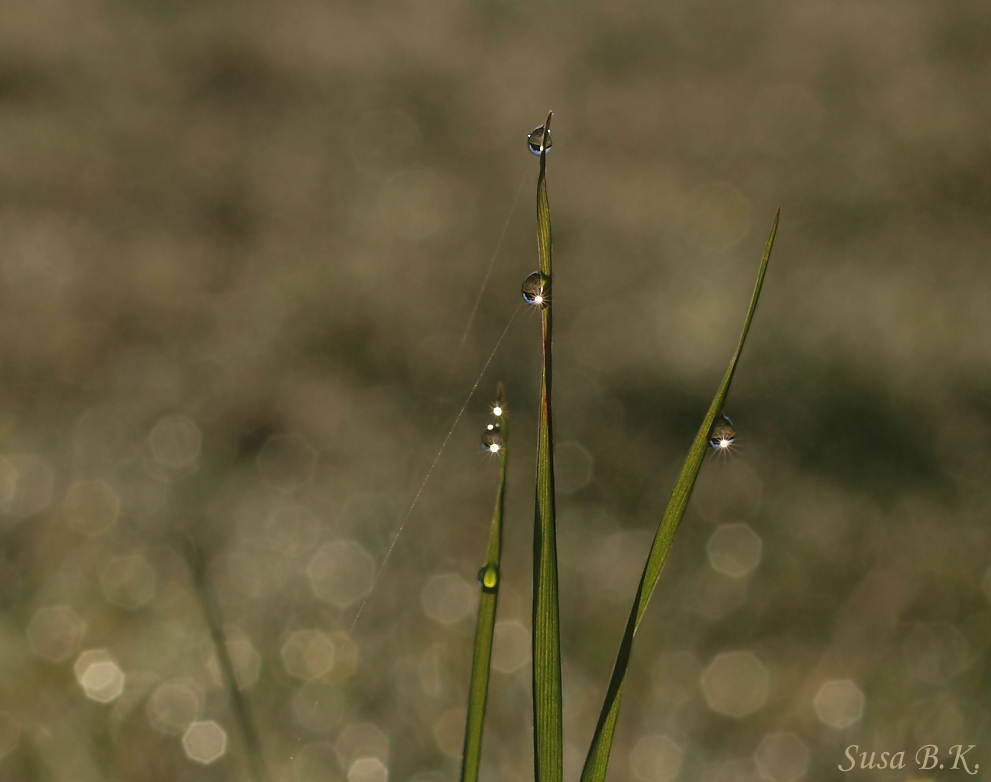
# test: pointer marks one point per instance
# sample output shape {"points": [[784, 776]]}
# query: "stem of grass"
{"points": [[239, 705], [488, 576]]}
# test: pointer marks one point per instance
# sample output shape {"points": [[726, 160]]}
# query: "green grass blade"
{"points": [[548, 742], [598, 754], [488, 576]]}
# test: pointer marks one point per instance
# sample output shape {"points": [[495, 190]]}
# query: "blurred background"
{"points": [[240, 248]]}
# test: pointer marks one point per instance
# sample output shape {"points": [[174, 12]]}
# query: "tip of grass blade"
{"points": [[543, 139]]}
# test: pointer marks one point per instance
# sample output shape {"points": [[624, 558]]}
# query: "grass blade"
{"points": [[488, 576], [548, 742], [239, 704], [598, 754]]}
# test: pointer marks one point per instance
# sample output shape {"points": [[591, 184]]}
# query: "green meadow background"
{"points": [[240, 247]]}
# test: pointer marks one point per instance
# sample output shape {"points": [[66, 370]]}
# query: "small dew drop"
{"points": [[723, 433], [536, 290], [488, 578], [497, 411], [492, 439], [536, 138]]}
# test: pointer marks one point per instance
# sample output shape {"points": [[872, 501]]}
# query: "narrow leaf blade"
{"points": [[598, 755], [548, 741], [478, 690]]}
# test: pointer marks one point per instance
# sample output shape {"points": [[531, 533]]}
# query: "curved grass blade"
{"points": [[598, 754], [548, 741], [488, 577]]}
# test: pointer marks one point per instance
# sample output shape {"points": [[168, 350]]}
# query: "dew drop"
{"points": [[536, 290], [723, 433], [492, 439], [488, 578], [536, 138], [497, 411]]}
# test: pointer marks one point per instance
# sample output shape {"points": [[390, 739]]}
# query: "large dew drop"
{"points": [[492, 439], [537, 137], [536, 290], [723, 433], [488, 578]]}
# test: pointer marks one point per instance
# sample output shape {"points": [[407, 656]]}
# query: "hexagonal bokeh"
{"points": [[734, 550], [55, 633], [362, 740], [935, 653], [10, 734], [128, 582], [341, 573], [782, 757], [368, 770], [735, 684], [308, 654], [87, 658], [174, 706], [175, 441], [447, 598], [655, 759], [91, 507], [839, 703], [99, 675], [204, 742], [510, 646], [287, 461]]}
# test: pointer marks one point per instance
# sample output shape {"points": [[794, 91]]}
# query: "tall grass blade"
{"points": [[488, 576], [598, 754], [239, 704], [548, 742]]}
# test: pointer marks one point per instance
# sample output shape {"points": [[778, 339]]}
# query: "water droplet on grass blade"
{"points": [[537, 137], [723, 433], [492, 439], [536, 290], [488, 578]]}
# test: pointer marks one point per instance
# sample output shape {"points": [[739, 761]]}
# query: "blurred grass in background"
{"points": [[239, 244]]}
